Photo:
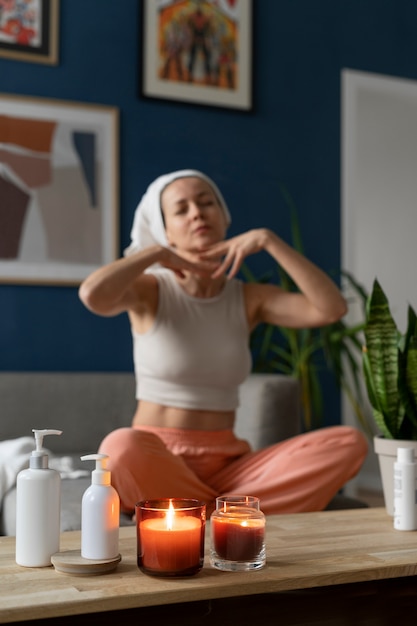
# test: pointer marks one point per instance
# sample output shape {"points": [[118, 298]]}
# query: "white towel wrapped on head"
{"points": [[148, 226]]}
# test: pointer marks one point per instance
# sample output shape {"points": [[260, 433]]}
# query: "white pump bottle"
{"points": [[405, 490], [38, 508], [100, 514]]}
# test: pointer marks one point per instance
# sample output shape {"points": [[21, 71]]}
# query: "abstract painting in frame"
{"points": [[29, 30], [59, 189], [198, 51]]}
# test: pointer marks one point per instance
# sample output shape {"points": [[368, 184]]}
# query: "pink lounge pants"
{"points": [[300, 474]]}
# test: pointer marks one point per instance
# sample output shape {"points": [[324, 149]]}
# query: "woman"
{"points": [[191, 320]]}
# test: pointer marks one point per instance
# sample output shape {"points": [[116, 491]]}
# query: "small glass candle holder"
{"points": [[170, 536], [237, 534]]}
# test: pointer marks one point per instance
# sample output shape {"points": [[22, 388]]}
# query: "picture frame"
{"points": [[59, 189], [29, 31], [198, 51]]}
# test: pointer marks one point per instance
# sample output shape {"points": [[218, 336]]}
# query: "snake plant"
{"points": [[390, 368]]}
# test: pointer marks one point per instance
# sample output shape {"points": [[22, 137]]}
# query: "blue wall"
{"points": [[293, 136]]}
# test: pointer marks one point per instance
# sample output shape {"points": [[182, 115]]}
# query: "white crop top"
{"points": [[197, 353]]}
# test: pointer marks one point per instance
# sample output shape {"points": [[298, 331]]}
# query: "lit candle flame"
{"points": [[170, 515]]}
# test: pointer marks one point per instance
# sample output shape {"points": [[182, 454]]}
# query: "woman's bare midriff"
{"points": [[151, 414]]}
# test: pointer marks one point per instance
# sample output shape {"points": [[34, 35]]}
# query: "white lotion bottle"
{"points": [[38, 507], [405, 494], [100, 509]]}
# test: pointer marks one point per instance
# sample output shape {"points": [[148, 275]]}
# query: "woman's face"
{"points": [[193, 216]]}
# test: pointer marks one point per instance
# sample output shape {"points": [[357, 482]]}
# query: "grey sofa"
{"points": [[88, 405]]}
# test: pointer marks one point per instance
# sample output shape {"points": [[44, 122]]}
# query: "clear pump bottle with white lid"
{"points": [[100, 509], [38, 507]]}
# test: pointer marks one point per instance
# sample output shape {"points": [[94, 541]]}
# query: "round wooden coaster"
{"points": [[71, 562]]}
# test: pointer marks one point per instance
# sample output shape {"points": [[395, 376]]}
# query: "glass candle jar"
{"points": [[170, 536], [237, 534]]}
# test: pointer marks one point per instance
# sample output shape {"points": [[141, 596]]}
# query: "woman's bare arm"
{"points": [[319, 301], [123, 285]]}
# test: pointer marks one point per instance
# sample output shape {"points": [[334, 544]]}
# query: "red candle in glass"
{"points": [[238, 539], [237, 534], [170, 536]]}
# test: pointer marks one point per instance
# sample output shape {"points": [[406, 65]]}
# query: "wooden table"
{"points": [[306, 551]]}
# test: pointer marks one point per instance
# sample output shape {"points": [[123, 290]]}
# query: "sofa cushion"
{"points": [[269, 410], [86, 406]]}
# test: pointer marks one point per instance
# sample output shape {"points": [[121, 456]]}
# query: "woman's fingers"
{"points": [[230, 265]]}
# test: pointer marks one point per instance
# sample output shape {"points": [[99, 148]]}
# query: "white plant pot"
{"points": [[386, 449]]}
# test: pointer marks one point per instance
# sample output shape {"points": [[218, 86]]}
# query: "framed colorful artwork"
{"points": [[29, 30], [198, 51], [59, 189]]}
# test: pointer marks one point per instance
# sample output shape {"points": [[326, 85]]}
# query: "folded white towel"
{"points": [[14, 457], [67, 467], [148, 226]]}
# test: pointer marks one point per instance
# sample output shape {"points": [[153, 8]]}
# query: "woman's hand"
{"points": [[232, 252]]}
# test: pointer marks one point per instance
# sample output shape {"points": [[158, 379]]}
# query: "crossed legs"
{"points": [[300, 474]]}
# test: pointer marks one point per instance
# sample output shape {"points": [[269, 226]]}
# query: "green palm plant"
{"points": [[390, 368], [305, 353]]}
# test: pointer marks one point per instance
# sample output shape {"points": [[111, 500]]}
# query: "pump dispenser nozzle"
{"points": [[101, 475], [39, 458]]}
